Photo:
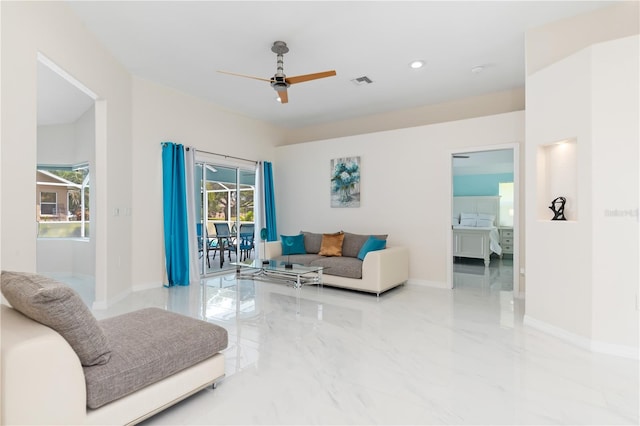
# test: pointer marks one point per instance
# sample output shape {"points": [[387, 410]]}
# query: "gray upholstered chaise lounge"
{"points": [[62, 366]]}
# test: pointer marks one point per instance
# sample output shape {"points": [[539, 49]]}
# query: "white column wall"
{"points": [[559, 107], [615, 132], [582, 276]]}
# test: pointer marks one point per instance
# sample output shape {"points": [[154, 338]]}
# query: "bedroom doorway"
{"points": [[484, 203]]}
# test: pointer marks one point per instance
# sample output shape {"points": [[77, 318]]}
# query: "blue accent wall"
{"points": [[473, 185]]}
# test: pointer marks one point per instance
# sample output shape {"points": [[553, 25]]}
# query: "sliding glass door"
{"points": [[224, 216]]}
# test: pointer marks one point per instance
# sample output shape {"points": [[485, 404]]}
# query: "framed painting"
{"points": [[345, 182]]}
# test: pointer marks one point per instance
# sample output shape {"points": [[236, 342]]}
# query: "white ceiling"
{"points": [[181, 44]]}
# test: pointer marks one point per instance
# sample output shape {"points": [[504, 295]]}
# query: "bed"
{"points": [[474, 227]]}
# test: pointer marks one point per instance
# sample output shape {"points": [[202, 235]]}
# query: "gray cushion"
{"points": [[312, 242], [58, 306], [353, 243], [300, 259], [147, 346], [348, 267]]}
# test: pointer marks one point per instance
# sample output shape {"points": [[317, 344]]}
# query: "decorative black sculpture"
{"points": [[557, 207]]}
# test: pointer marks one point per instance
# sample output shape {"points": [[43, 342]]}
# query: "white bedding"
{"points": [[494, 236]]}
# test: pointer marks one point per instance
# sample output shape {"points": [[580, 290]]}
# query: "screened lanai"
{"points": [[227, 198]]}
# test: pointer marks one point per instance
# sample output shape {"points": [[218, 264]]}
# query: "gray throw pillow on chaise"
{"points": [[59, 307]]}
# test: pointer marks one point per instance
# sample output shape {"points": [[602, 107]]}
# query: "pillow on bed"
{"points": [[468, 219], [485, 220]]}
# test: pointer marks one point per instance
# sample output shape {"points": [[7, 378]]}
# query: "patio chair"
{"points": [[247, 231], [200, 243], [224, 240]]}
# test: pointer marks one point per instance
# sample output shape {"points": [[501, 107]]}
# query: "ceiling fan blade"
{"points": [[307, 77], [243, 75], [284, 96]]}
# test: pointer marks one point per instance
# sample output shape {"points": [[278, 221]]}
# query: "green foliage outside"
{"points": [[221, 202]]}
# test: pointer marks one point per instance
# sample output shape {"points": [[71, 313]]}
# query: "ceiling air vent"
{"points": [[362, 80]]}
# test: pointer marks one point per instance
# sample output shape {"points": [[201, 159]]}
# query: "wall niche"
{"points": [[558, 177]]}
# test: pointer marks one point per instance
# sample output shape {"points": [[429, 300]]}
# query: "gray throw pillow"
{"points": [[312, 242], [59, 307]]}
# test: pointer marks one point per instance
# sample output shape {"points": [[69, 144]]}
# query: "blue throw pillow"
{"points": [[292, 244], [372, 244]]}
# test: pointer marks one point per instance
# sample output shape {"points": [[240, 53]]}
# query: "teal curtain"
{"points": [[269, 203], [174, 197]]}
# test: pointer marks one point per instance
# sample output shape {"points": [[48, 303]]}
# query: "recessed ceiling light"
{"points": [[477, 69], [417, 64]]}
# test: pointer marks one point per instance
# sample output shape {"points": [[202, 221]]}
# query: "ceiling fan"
{"points": [[280, 82]]}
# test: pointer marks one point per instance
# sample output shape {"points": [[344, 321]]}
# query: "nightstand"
{"points": [[506, 239]]}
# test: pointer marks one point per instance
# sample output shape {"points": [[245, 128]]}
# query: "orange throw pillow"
{"points": [[331, 244]]}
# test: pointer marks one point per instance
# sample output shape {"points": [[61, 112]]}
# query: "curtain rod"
{"points": [[223, 155]]}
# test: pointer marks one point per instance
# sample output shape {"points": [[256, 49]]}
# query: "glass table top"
{"points": [[279, 266]]}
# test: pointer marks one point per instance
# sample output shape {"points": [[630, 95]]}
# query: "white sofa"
{"points": [[381, 270], [43, 381]]}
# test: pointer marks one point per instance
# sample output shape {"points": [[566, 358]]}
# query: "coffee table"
{"points": [[296, 275]]}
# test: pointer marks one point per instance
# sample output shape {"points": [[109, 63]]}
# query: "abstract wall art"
{"points": [[345, 182]]}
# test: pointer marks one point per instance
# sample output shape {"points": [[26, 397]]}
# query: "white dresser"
{"points": [[506, 239]]}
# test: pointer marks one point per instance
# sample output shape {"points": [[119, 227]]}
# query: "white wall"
{"points": [[558, 107], [582, 275], [615, 134], [405, 185], [163, 114], [56, 144], [52, 29]]}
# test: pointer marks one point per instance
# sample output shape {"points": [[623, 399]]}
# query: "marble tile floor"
{"points": [[416, 355]]}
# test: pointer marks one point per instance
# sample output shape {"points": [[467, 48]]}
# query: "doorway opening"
{"points": [[65, 196], [483, 249], [225, 215]]}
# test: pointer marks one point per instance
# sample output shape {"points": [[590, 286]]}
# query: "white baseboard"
{"points": [[582, 342], [427, 283], [614, 349], [146, 286], [109, 303]]}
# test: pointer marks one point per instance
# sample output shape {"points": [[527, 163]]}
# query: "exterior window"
{"points": [[63, 204], [48, 203]]}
